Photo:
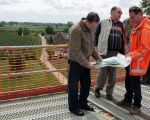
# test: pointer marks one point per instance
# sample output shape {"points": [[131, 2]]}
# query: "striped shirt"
{"points": [[115, 41]]}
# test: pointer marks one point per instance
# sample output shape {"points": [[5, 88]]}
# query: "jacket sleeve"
{"points": [[96, 35], [144, 45], [95, 54], [75, 47]]}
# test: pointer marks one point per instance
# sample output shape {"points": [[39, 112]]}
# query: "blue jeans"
{"points": [[78, 73]]}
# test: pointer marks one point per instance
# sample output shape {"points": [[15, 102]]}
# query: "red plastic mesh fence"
{"points": [[34, 70]]}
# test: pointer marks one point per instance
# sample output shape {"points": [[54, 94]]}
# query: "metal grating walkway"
{"points": [[120, 91], [55, 107]]}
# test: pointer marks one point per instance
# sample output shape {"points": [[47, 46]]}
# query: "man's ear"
{"points": [[111, 12]]}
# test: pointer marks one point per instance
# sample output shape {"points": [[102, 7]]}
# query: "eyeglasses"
{"points": [[120, 12]]}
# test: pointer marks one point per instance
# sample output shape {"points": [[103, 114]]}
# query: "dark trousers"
{"points": [[78, 73], [133, 89]]}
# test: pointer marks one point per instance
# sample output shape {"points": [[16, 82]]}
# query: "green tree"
{"points": [[50, 40], [60, 24], [13, 23], [26, 31], [69, 24], [145, 4], [49, 30], [20, 32], [23, 31], [2, 24], [128, 27], [56, 26]]}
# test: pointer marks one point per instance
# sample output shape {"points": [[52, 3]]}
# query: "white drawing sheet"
{"points": [[116, 61]]}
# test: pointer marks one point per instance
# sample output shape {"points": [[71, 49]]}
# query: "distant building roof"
{"points": [[64, 35]]}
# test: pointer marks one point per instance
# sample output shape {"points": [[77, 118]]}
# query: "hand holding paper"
{"points": [[118, 61]]}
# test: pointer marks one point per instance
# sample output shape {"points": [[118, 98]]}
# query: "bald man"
{"points": [[109, 39]]}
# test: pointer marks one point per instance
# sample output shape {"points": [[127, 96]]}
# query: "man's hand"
{"points": [[90, 66], [100, 59], [127, 55]]}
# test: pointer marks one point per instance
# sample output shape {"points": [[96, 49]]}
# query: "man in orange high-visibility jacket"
{"points": [[140, 57]]}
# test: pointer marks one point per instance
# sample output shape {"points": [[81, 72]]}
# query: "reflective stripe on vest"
{"points": [[146, 45], [138, 71], [138, 62]]}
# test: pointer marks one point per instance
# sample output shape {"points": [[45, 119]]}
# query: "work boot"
{"points": [[77, 112], [134, 111], [97, 93], [122, 103], [109, 97], [87, 107]]}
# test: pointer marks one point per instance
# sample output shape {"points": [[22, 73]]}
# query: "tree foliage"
{"points": [[26, 31], [50, 40], [2, 23], [128, 27], [145, 4], [49, 30], [11, 23], [20, 32], [69, 24], [23, 31]]}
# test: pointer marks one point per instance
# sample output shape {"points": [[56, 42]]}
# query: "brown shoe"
{"points": [[124, 104], [134, 111]]}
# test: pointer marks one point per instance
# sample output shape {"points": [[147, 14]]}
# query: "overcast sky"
{"points": [[57, 11]]}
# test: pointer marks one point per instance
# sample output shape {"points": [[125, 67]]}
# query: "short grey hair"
{"points": [[113, 8]]}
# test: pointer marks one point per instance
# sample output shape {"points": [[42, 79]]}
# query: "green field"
{"points": [[26, 81], [15, 28], [10, 38], [31, 58], [35, 27]]}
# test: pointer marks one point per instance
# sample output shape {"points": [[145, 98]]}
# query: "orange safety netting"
{"points": [[34, 70]]}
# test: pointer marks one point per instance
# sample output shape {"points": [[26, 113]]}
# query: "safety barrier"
{"points": [[34, 70]]}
